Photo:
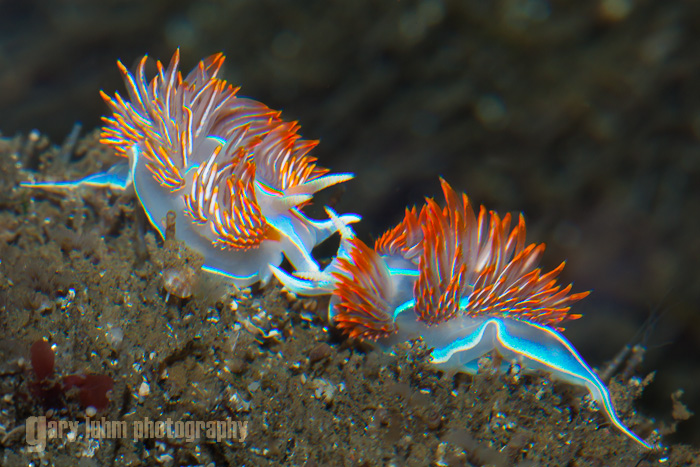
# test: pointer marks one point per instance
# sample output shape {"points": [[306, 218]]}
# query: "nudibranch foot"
{"points": [[459, 343]]}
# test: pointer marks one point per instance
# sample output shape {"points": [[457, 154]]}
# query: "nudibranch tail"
{"points": [[460, 343], [117, 177]]}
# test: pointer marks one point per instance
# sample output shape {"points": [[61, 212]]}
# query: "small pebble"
{"points": [[236, 365], [319, 352], [144, 389]]}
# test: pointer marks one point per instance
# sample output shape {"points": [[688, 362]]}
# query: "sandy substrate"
{"points": [[84, 271]]}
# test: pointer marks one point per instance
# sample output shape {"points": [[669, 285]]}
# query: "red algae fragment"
{"points": [[93, 389], [43, 359]]}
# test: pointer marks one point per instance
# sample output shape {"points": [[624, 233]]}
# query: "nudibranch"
{"points": [[235, 174], [465, 285]]}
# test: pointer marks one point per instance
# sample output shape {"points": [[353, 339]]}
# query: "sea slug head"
{"points": [[317, 282]]}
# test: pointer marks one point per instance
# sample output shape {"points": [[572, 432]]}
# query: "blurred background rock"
{"points": [[584, 115]]}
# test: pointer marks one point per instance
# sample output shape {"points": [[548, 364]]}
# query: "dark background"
{"points": [[584, 115]]}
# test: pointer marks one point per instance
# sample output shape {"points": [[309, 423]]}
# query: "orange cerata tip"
{"points": [[362, 294], [480, 266]]}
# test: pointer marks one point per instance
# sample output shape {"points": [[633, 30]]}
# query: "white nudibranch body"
{"points": [[465, 285], [234, 173]]}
